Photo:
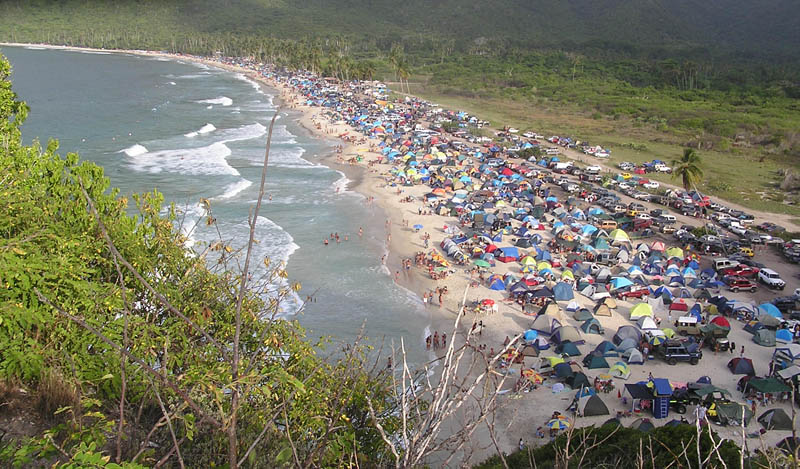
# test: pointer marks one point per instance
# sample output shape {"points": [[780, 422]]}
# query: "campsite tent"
{"points": [[545, 324], [633, 356], [566, 333], [602, 310], [606, 349], [567, 348], [741, 366], [582, 315], [589, 406], [577, 380], [592, 326], [625, 332], [620, 370], [764, 337], [563, 292], [593, 361], [642, 309], [775, 419]]}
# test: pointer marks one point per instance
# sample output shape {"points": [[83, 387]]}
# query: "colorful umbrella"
{"points": [[558, 424], [481, 263]]}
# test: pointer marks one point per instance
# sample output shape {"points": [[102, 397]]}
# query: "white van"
{"points": [[668, 218]]}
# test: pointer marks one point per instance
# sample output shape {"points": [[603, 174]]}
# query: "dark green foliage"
{"points": [[622, 448]]}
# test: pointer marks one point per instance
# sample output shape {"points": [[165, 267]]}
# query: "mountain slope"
{"points": [[749, 26]]}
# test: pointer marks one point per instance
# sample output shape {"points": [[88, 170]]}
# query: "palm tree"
{"points": [[688, 168]]}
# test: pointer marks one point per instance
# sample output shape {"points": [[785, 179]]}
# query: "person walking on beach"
{"points": [[444, 339], [360, 231], [435, 340]]}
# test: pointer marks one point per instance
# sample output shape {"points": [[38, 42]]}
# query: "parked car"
{"points": [[673, 351], [771, 279], [651, 185], [639, 292], [737, 284], [741, 271]]}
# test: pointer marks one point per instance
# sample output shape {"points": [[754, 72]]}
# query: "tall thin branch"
{"points": [[233, 459]]}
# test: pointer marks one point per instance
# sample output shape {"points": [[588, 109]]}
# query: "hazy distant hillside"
{"points": [[756, 26]]}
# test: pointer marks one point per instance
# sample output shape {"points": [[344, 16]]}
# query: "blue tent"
{"points": [[784, 335], [510, 252], [563, 292], [497, 284], [531, 335], [620, 282], [771, 309]]}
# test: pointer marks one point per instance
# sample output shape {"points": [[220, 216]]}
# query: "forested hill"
{"points": [[758, 27]]}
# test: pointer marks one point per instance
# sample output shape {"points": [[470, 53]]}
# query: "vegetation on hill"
{"points": [[134, 349], [721, 77]]}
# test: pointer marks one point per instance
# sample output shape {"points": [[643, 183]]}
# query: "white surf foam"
{"points": [[134, 150], [208, 128], [232, 190], [208, 160], [245, 132], [252, 83], [222, 100], [35, 48], [172, 83], [96, 52]]}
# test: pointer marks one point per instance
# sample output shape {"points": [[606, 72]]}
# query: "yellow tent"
{"points": [[528, 260], [543, 265], [568, 274], [555, 360], [641, 310], [675, 252], [619, 235]]}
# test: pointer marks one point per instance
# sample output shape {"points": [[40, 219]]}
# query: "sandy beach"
{"points": [[521, 413]]}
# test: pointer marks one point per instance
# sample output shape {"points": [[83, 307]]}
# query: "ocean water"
{"points": [[193, 132]]}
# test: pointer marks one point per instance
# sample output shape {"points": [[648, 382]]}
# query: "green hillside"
{"points": [[758, 27]]}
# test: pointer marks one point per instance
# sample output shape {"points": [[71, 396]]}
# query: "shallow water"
{"points": [[193, 132]]}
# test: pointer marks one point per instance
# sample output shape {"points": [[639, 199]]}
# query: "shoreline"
{"points": [[520, 414]]}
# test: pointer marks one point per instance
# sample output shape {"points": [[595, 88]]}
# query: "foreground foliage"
{"points": [[615, 446], [125, 338]]}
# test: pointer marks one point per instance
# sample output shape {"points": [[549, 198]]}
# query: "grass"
{"points": [[738, 175]]}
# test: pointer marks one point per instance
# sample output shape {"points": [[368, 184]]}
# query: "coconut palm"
{"points": [[688, 168]]}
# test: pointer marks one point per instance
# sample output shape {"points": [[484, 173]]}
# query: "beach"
{"points": [[520, 413]]}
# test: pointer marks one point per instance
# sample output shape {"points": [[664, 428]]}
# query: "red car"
{"points": [[736, 284], [634, 293], [741, 270]]}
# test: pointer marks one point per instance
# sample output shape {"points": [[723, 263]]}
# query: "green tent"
{"points": [[775, 419], [593, 361], [730, 413], [764, 337]]}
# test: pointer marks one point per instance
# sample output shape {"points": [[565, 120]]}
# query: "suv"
{"points": [[721, 344], [736, 284], [673, 351], [771, 279], [687, 325]]}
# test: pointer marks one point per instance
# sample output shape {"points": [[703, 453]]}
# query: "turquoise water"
{"points": [[195, 132]]}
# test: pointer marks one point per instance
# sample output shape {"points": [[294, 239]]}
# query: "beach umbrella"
{"points": [[558, 424], [656, 340], [417, 226], [481, 263]]}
